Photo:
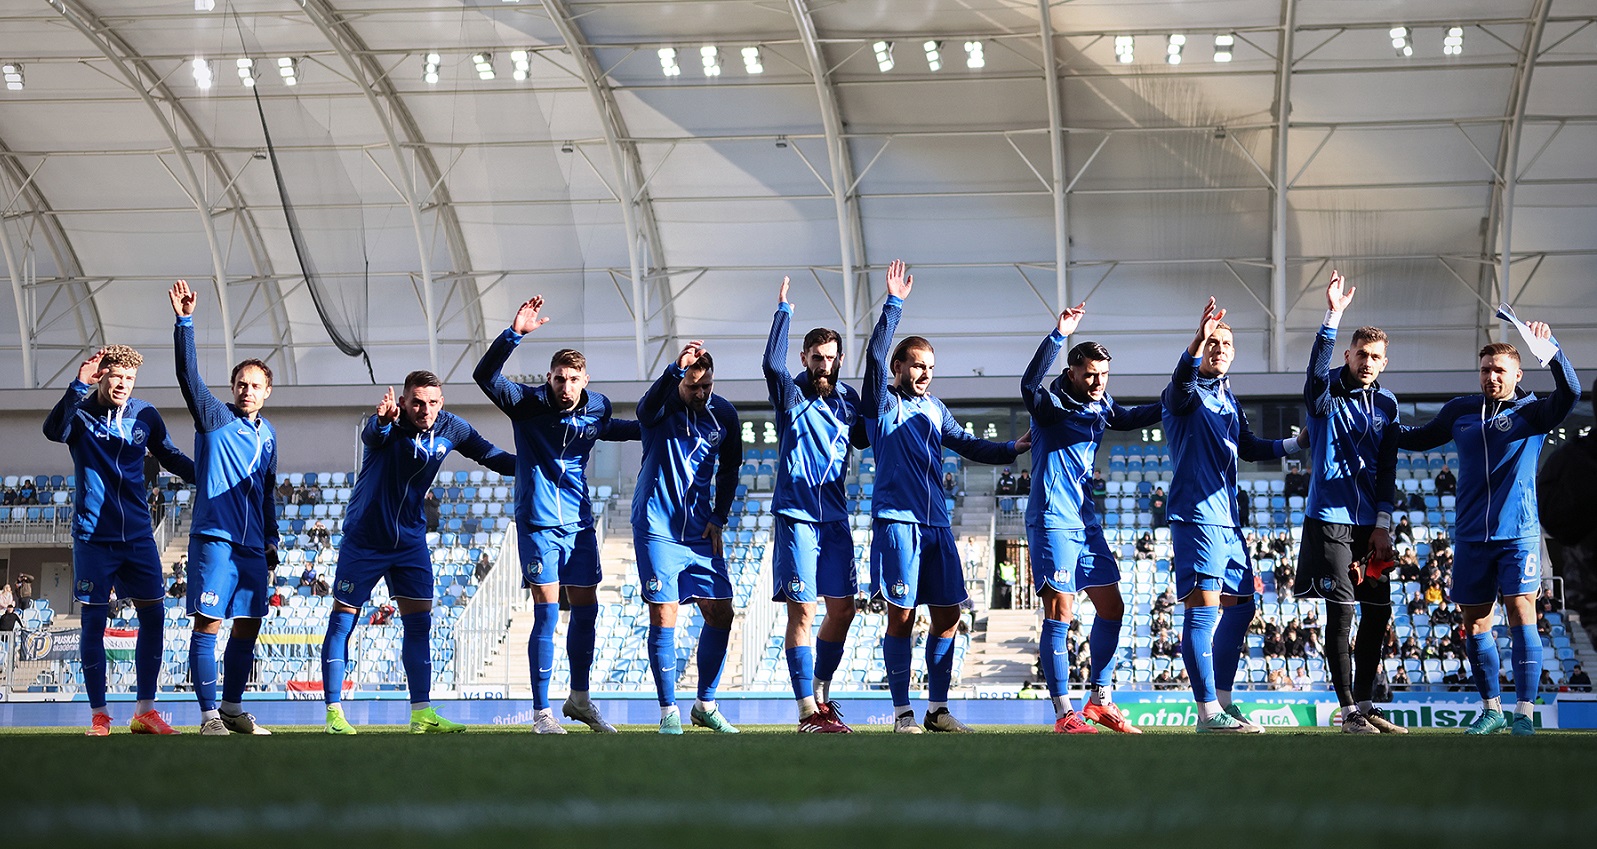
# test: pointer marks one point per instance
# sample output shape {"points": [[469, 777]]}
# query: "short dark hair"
{"points": [[568, 357], [911, 343], [1094, 351], [1367, 334], [422, 377], [821, 336], [251, 363], [1503, 348], [705, 362]]}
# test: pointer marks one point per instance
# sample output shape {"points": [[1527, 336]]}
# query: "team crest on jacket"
{"points": [[714, 438], [589, 431], [139, 435], [1501, 423]]}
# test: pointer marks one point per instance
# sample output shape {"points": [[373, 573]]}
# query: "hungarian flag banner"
{"points": [[119, 643]]}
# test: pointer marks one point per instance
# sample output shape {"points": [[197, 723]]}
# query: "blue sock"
{"points": [[335, 654], [1197, 650], [147, 650], [828, 656], [238, 660], [1055, 656], [895, 656], [801, 669], [1229, 636], [1105, 642], [663, 663], [93, 648], [541, 651], [712, 657], [580, 637], [1483, 664], [202, 668], [1527, 656], [939, 667], [415, 654]]}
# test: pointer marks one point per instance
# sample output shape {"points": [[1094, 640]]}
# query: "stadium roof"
{"points": [[651, 208]]}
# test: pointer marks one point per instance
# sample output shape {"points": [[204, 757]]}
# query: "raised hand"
{"points": [[1335, 299], [1540, 328], [1212, 316], [527, 318], [898, 282], [1070, 319], [781, 294], [90, 371], [690, 353], [182, 298], [388, 408]]}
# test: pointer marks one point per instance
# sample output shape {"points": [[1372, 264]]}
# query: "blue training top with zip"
{"points": [[1208, 434], [1498, 446], [908, 433], [813, 432], [1352, 441], [552, 445], [683, 449], [235, 459], [1065, 434], [108, 445], [398, 465]]}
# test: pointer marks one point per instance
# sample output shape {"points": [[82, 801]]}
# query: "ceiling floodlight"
{"points": [[204, 5], [934, 55], [246, 72], [884, 55], [1123, 48], [1453, 44], [753, 63], [484, 63], [710, 55], [1222, 47], [522, 60], [668, 62], [288, 69], [429, 68], [1400, 41], [1173, 46], [975, 56], [202, 72], [13, 75]]}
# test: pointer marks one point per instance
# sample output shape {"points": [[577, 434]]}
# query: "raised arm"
{"points": [[504, 392], [1317, 386], [620, 430], [779, 384], [208, 412], [379, 427], [1134, 418], [1546, 413], [1034, 383], [58, 426], [877, 399], [656, 402], [1181, 396]]}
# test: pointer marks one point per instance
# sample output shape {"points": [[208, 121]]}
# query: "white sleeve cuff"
{"points": [[1383, 521], [1290, 445], [1333, 318]]}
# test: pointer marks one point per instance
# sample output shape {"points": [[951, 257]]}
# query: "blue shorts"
{"points": [[226, 580], [673, 572], [813, 558], [408, 571], [559, 556], [1484, 570], [132, 567], [1065, 560], [1210, 557], [915, 564]]}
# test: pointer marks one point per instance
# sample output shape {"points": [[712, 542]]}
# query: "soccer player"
{"points": [[817, 418], [1353, 428], [690, 435], [1068, 549], [385, 536], [1499, 434], [556, 426], [913, 556], [108, 432], [233, 534], [1208, 434]]}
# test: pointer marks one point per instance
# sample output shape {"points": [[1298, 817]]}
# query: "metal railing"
{"points": [[487, 618], [46, 526], [758, 618], [8, 653]]}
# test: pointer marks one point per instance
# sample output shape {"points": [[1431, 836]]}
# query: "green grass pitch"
{"points": [[771, 787]]}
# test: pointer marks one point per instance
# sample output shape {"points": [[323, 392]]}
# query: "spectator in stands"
{"points": [[1273, 645], [308, 577], [1400, 677], [9, 498], [1244, 505], [1164, 680], [1416, 502], [285, 492], [1145, 546], [1447, 649], [24, 592], [1416, 604], [1408, 566], [179, 587], [1440, 544], [10, 621], [1004, 586], [277, 598], [7, 599], [1100, 489], [1448, 614], [1156, 504], [382, 615], [1302, 681], [1296, 483], [1446, 484], [429, 506], [1389, 647], [1579, 681], [1404, 532], [1006, 482], [319, 587], [1284, 577], [1278, 679], [319, 536], [1546, 603], [1311, 643], [1164, 646], [1433, 593], [1547, 683], [1411, 649], [950, 485], [484, 565], [27, 495], [1165, 602], [1281, 546], [1292, 640], [157, 503], [1023, 483]]}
